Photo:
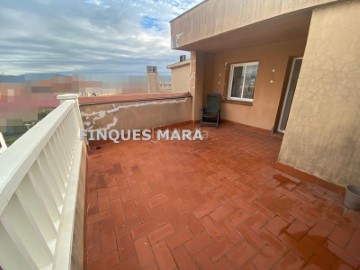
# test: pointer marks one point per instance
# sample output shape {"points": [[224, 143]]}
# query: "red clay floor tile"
{"points": [[163, 256], [212, 204]]}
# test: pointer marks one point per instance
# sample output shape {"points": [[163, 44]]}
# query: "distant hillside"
{"points": [[98, 77], [28, 77], [42, 76], [12, 78]]}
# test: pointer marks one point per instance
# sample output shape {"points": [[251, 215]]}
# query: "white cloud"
{"points": [[88, 36]]}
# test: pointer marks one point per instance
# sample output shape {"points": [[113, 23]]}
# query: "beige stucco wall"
{"points": [[197, 69], [180, 78], [145, 114], [323, 132], [262, 113], [214, 17]]}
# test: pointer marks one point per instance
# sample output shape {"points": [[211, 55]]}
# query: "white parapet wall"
{"points": [[39, 178]]}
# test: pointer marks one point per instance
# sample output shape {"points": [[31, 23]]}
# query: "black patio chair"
{"points": [[211, 113]]}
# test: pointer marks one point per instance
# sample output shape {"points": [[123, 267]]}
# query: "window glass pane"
{"points": [[237, 83], [250, 78]]}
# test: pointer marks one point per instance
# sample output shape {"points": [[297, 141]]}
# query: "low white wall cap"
{"points": [[67, 96]]}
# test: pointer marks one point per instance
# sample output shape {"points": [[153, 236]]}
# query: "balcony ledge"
{"points": [[131, 97]]}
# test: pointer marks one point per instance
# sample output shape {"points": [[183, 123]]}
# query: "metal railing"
{"points": [[39, 177]]}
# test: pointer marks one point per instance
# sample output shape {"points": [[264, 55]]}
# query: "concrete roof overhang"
{"points": [[283, 27]]}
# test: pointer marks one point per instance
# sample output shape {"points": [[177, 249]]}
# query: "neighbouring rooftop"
{"points": [[212, 204]]}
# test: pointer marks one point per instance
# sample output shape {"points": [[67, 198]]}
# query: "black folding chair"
{"points": [[211, 113]]}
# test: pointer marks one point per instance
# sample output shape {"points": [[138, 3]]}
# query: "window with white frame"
{"points": [[242, 81]]}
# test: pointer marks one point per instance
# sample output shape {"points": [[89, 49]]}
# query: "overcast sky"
{"points": [[87, 36]]}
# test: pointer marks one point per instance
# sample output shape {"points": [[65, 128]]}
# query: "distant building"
{"points": [[180, 75], [152, 79]]}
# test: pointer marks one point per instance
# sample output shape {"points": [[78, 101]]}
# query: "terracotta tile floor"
{"points": [[213, 204]]}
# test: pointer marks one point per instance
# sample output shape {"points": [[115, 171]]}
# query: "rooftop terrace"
{"points": [[212, 204]]}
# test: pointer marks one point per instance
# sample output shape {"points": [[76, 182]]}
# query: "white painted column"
{"points": [[64, 97]]}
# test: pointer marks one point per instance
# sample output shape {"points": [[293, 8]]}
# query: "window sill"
{"points": [[238, 102]]}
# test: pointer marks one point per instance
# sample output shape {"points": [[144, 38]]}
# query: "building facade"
{"points": [[290, 67], [180, 76]]}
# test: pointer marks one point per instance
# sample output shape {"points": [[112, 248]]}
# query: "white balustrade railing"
{"points": [[39, 177]]}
